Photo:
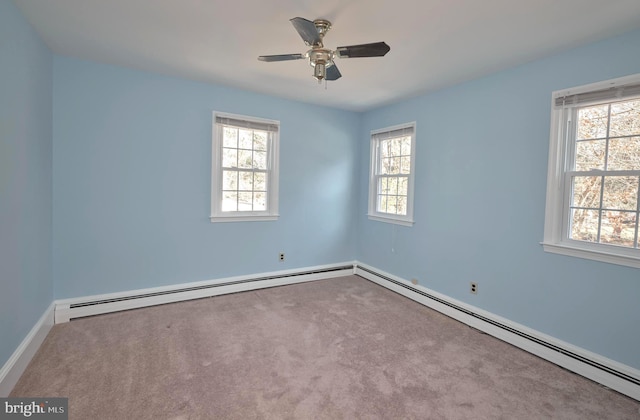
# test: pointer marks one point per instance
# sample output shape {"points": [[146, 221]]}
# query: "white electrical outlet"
{"points": [[282, 256], [474, 288]]}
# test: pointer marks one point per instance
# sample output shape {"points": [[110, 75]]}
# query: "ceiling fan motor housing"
{"points": [[320, 59], [319, 55]]}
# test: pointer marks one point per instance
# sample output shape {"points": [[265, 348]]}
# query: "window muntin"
{"points": [[593, 180], [391, 175], [244, 179]]}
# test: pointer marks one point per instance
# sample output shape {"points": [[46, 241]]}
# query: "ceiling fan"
{"points": [[321, 58]]}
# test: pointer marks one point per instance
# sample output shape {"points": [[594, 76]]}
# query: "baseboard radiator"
{"points": [[69, 309], [611, 374]]}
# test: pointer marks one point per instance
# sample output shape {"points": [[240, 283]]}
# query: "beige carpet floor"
{"points": [[341, 348]]}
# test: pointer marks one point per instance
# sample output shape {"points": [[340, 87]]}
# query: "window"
{"points": [[244, 179], [593, 183], [391, 174]]}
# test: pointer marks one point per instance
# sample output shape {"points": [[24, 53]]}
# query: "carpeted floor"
{"points": [[341, 348]]}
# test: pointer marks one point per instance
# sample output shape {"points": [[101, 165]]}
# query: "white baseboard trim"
{"points": [[607, 372], [19, 360], [67, 309]]}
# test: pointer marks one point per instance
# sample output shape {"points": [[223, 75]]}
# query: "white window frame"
{"points": [[273, 127], [374, 174], [561, 146]]}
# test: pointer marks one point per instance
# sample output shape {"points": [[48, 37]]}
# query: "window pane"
{"points": [[245, 159], [624, 154], [590, 155], [383, 185], [618, 228], [393, 186], [245, 201], [584, 225], [620, 193], [230, 201], [260, 160], [259, 181], [385, 148], [403, 185], [405, 165], [395, 166], [382, 203], [246, 139], [402, 205], [586, 191], [259, 201], [229, 137], [245, 181], [625, 118], [396, 147], [260, 140], [385, 166], [392, 204], [229, 158], [406, 146], [592, 122], [229, 180]]}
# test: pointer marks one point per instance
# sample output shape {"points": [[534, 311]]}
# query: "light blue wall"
{"points": [[480, 199], [26, 288], [132, 169]]}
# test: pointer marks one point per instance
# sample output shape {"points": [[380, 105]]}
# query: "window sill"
{"points": [[235, 218], [386, 219], [602, 256]]}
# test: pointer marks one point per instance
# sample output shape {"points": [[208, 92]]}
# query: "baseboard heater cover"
{"points": [[632, 391], [69, 309]]}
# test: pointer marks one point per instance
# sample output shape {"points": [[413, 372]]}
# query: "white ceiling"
{"points": [[434, 43]]}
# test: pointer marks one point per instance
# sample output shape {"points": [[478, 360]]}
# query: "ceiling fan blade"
{"points": [[375, 49], [307, 30], [280, 57], [332, 73]]}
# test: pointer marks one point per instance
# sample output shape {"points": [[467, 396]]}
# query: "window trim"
{"points": [[556, 236], [406, 220], [271, 213]]}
